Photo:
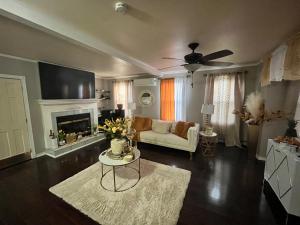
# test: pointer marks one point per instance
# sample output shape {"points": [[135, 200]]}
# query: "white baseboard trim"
{"points": [[261, 158], [39, 155], [50, 155]]}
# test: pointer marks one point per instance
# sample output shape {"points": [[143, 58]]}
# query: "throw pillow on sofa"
{"points": [[162, 127], [182, 128], [142, 123]]}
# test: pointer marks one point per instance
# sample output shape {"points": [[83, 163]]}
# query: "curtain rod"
{"points": [[226, 73]]}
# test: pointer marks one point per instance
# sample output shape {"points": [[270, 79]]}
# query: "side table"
{"points": [[208, 143]]}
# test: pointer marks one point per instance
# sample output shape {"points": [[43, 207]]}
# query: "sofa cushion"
{"points": [[172, 139], [161, 126], [173, 126], [142, 123], [182, 128], [149, 135], [169, 140]]}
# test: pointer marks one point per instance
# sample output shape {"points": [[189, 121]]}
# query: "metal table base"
{"points": [[114, 176]]}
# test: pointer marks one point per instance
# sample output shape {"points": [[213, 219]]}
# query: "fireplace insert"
{"points": [[78, 124]]}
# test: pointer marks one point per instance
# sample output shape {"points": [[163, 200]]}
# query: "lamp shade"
{"points": [[131, 106], [207, 109], [192, 67]]}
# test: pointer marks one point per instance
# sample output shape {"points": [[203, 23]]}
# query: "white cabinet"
{"points": [[282, 172]]}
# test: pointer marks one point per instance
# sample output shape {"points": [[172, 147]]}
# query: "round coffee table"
{"points": [[115, 163]]}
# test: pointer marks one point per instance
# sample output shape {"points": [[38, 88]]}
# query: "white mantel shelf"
{"points": [[66, 101], [50, 109]]}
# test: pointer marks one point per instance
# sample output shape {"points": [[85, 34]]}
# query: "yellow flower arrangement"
{"points": [[115, 128]]}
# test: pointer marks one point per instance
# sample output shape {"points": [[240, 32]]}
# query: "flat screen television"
{"points": [[58, 82]]}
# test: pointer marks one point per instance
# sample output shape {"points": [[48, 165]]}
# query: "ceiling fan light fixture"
{"points": [[192, 67], [121, 7]]}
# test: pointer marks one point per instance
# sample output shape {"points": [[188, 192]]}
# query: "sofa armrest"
{"points": [[193, 136]]}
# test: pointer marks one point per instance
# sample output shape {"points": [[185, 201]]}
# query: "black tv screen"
{"points": [[58, 82]]}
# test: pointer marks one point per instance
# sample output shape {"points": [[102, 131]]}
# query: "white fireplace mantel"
{"points": [[66, 101], [52, 108]]}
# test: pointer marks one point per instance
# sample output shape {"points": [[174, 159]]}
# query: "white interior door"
{"points": [[14, 139]]}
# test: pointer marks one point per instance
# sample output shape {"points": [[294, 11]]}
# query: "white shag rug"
{"points": [[156, 199]]}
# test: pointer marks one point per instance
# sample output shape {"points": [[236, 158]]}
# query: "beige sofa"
{"points": [[159, 136]]}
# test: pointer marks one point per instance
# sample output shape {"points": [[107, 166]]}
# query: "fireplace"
{"points": [[76, 123], [72, 116]]}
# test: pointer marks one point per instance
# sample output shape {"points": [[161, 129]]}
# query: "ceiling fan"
{"points": [[194, 60]]}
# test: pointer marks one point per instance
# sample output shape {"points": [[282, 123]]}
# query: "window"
{"points": [[180, 98], [173, 99], [223, 99], [167, 103], [123, 94], [226, 92]]}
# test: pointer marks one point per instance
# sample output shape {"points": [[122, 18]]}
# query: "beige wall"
{"points": [[107, 85], [28, 69], [10, 66], [152, 111], [278, 96], [195, 95]]}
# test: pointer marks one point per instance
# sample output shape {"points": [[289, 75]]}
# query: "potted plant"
{"points": [[116, 131], [291, 131], [61, 137]]}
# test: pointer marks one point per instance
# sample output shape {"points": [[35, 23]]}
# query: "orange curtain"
{"points": [[167, 102]]}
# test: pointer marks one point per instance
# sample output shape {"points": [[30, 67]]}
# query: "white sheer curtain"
{"points": [[297, 114], [227, 94], [180, 98], [123, 94], [129, 98], [209, 89]]}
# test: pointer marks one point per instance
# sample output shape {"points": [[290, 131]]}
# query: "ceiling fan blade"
{"points": [[216, 55], [215, 63], [168, 67], [172, 58]]}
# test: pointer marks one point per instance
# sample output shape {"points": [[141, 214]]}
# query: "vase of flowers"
{"points": [[254, 114], [117, 146], [116, 131], [61, 138], [252, 139]]}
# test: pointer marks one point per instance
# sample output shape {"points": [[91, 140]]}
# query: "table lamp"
{"points": [[207, 110]]}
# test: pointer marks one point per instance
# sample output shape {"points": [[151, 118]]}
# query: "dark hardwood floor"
{"points": [[225, 190]]}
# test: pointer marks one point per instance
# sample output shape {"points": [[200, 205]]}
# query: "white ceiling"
{"points": [[154, 29], [19, 40]]}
